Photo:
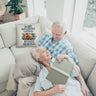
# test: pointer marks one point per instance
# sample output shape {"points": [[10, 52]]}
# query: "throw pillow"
{"points": [[27, 34], [25, 66]]}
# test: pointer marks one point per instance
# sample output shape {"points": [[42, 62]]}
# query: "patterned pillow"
{"points": [[27, 34]]}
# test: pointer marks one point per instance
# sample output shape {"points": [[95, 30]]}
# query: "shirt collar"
{"points": [[58, 40]]}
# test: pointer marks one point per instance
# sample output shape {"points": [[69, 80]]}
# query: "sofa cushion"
{"points": [[85, 54], [1, 43], [91, 81], [3, 86], [17, 51], [8, 30], [6, 61]]}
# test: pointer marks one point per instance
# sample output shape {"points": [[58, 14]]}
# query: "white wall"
{"points": [[25, 8], [55, 9], [30, 7]]}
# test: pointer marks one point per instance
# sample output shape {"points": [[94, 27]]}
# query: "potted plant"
{"points": [[16, 9]]}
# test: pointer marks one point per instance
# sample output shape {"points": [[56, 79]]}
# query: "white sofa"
{"points": [[86, 54]]}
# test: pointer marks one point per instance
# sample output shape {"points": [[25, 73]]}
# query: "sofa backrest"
{"points": [[8, 30], [91, 81], [45, 25], [1, 43], [86, 55]]}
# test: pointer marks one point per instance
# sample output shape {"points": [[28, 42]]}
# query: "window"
{"points": [[84, 21], [90, 16], [89, 24]]}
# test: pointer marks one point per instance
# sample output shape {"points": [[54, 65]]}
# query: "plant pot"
{"points": [[18, 16]]}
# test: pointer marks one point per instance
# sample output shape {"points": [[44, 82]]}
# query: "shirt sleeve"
{"points": [[75, 73], [40, 42], [71, 53], [38, 85]]}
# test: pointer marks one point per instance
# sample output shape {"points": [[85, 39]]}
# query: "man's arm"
{"points": [[56, 89], [61, 57], [84, 87], [71, 53]]}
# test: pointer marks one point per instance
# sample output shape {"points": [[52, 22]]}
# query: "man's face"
{"points": [[44, 54], [57, 33]]}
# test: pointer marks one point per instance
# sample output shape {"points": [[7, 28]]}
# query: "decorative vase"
{"points": [[18, 16]]}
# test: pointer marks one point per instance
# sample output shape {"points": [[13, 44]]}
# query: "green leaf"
{"points": [[11, 11], [23, 5], [21, 10], [9, 3], [15, 6], [14, 13], [20, 1]]}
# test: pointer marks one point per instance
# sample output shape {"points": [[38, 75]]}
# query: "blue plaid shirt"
{"points": [[62, 46]]}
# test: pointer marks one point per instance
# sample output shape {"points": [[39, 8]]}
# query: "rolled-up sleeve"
{"points": [[75, 73], [71, 53]]}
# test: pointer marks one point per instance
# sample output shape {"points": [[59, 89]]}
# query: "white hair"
{"points": [[60, 24], [35, 54]]}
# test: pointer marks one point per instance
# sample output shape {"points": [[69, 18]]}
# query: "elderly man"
{"points": [[43, 87], [57, 43]]}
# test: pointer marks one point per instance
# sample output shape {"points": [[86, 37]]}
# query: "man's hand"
{"points": [[59, 88], [85, 90], [61, 57]]}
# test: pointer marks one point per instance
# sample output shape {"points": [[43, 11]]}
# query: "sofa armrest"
{"points": [[91, 81]]}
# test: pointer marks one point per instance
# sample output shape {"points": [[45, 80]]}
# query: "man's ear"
{"points": [[65, 33]]}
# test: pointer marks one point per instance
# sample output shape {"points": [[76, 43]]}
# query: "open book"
{"points": [[60, 72]]}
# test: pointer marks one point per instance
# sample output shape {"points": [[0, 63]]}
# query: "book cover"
{"points": [[60, 72]]}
